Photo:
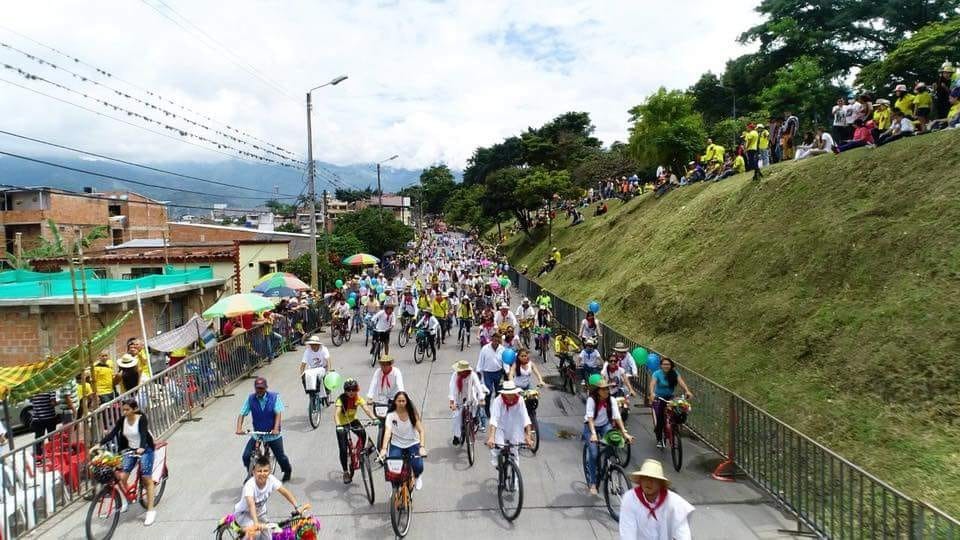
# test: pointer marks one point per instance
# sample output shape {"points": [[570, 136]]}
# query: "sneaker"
{"points": [[456, 441], [286, 476], [483, 429], [593, 490], [149, 518], [660, 444], [124, 506], [347, 477], [419, 483]]}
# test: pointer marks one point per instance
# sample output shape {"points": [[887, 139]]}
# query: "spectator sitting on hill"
{"points": [[695, 173], [953, 115], [881, 117], [601, 209], [922, 106], [733, 165], [900, 128], [904, 101], [862, 136]]}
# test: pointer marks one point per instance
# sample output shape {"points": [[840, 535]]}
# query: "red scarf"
{"points": [[349, 403], [591, 323], [601, 404], [462, 376], [509, 405], [384, 379], [612, 367], [661, 498]]}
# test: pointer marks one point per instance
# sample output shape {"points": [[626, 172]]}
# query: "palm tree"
{"points": [[55, 247]]}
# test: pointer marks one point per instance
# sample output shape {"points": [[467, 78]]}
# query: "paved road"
{"points": [[206, 472]]}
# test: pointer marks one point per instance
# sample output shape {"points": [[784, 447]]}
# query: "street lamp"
{"points": [[379, 189], [311, 189]]}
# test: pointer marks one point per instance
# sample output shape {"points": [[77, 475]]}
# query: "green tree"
{"points": [[290, 227], [485, 161], [378, 231], [725, 132], [666, 130], [341, 245], [353, 195], [465, 209], [603, 164], [916, 58], [281, 209], [804, 88], [438, 184], [561, 143], [329, 272], [712, 100]]}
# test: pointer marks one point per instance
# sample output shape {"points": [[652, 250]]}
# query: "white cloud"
{"points": [[429, 81]]}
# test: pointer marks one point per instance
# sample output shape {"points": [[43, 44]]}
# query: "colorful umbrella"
{"points": [[277, 292], [279, 279], [238, 304], [361, 259]]}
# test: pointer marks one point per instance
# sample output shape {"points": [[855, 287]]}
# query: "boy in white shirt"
{"points": [[251, 510], [509, 422]]}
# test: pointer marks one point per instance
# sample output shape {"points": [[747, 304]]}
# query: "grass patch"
{"points": [[828, 293]]}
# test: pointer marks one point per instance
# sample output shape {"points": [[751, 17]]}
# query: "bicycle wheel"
{"points": [[227, 531], [159, 486], [366, 472], [468, 437], [510, 490], [616, 484], [400, 510], [419, 352], [536, 433], [376, 352], [676, 448], [103, 514], [583, 462], [335, 337], [403, 337], [622, 454], [316, 410], [460, 338], [347, 333]]}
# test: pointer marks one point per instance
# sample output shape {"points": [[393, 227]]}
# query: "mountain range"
{"points": [[289, 183]]}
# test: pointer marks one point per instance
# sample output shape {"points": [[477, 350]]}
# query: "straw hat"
{"points": [[461, 365], [314, 340], [386, 359], [651, 468], [620, 347], [900, 88], [510, 387], [126, 361]]}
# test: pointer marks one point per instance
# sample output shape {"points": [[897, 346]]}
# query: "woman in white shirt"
{"points": [[404, 433], [523, 371], [466, 389], [651, 511], [602, 415]]}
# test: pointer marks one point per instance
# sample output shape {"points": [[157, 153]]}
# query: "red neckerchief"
{"points": [[349, 403], [612, 367], [508, 405], [661, 498], [384, 379], [592, 323], [461, 376]]}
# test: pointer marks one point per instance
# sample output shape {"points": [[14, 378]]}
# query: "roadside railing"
{"points": [[41, 479], [830, 496]]}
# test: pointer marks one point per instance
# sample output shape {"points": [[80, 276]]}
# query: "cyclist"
{"points": [[509, 422], [342, 313], [564, 347], [523, 371], [404, 432], [408, 308], [503, 315], [543, 300], [490, 368], [486, 330], [132, 432], [432, 327], [386, 382], [627, 364], [440, 307], [314, 365], [346, 417], [465, 389], [618, 377], [510, 338], [601, 416], [383, 323], [663, 383], [590, 327], [590, 361], [651, 510], [465, 316], [266, 409], [251, 509], [526, 314]]}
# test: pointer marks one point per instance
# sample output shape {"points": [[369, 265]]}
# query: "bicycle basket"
{"points": [[307, 528], [103, 474], [393, 469], [614, 438], [380, 410]]}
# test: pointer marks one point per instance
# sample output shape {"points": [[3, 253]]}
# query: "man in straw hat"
{"points": [[509, 422], [314, 366], [466, 390], [651, 511]]}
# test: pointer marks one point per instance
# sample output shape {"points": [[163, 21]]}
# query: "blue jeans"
{"points": [[146, 463], [416, 462], [593, 450], [276, 447], [491, 379], [586, 371]]}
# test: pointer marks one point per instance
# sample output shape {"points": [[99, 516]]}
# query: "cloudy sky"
{"points": [[429, 81]]}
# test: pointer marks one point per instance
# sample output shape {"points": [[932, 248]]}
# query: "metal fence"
{"points": [[41, 479], [830, 496]]}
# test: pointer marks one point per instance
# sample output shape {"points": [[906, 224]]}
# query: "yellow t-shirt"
{"points": [[739, 165], [751, 140], [954, 110], [439, 309], [564, 345], [423, 302], [103, 378], [923, 100], [345, 416], [764, 139], [713, 151], [882, 119], [556, 257], [905, 104], [464, 310], [145, 368]]}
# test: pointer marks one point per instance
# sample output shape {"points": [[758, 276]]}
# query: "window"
{"points": [[113, 210], [117, 237], [145, 271]]}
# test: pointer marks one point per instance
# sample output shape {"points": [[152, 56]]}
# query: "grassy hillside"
{"points": [[828, 293]]}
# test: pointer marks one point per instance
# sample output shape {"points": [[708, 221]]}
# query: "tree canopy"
{"points": [[666, 130], [914, 58], [376, 230]]}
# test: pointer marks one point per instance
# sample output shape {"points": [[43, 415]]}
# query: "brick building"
{"points": [[128, 216], [200, 232], [399, 206]]}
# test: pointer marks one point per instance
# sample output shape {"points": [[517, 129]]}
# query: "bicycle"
{"points": [[103, 515], [525, 326], [368, 325], [541, 341], [339, 332], [357, 321], [298, 525], [406, 331], [260, 448], [375, 355], [360, 455], [462, 334], [674, 416], [509, 482], [531, 400], [399, 473], [422, 348], [569, 379], [612, 479], [468, 430]]}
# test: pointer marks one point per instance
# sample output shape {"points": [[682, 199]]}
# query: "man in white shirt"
{"points": [[466, 389], [383, 322], [503, 315], [651, 510], [490, 367], [823, 145], [430, 323], [314, 365], [525, 311], [386, 382], [509, 422]]}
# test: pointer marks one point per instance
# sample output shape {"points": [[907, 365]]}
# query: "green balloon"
{"points": [[639, 355], [504, 282], [351, 302], [332, 381], [595, 379], [338, 283], [382, 297]]}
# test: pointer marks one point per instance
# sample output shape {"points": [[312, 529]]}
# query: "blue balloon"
{"points": [[379, 288], [509, 356], [352, 295], [374, 281], [653, 362], [594, 306]]}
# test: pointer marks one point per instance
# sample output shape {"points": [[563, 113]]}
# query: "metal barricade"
{"points": [[830, 496]]}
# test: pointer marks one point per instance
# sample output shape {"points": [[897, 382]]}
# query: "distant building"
{"points": [[128, 216], [399, 206], [203, 233], [335, 209]]}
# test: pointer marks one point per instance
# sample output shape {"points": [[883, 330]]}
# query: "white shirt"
{"points": [[315, 359], [473, 389], [260, 495], [828, 143], [603, 417], [509, 318], [490, 359], [526, 313], [671, 523], [410, 308], [342, 311], [906, 125], [132, 432], [586, 331], [432, 326], [376, 391], [510, 423], [403, 434], [523, 376], [383, 322], [590, 358], [616, 379]]}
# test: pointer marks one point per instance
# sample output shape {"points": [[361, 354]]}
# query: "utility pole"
{"points": [[380, 193], [311, 196], [19, 242], [326, 230]]}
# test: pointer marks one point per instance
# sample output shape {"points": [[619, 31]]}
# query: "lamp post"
{"points": [[379, 189], [311, 188], [733, 93]]}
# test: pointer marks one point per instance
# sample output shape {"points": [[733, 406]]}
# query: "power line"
{"points": [[182, 132], [152, 94], [85, 79], [233, 58], [133, 164], [120, 179]]}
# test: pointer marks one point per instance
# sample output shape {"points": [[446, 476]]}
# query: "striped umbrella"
{"points": [[361, 259], [238, 304], [279, 279]]}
